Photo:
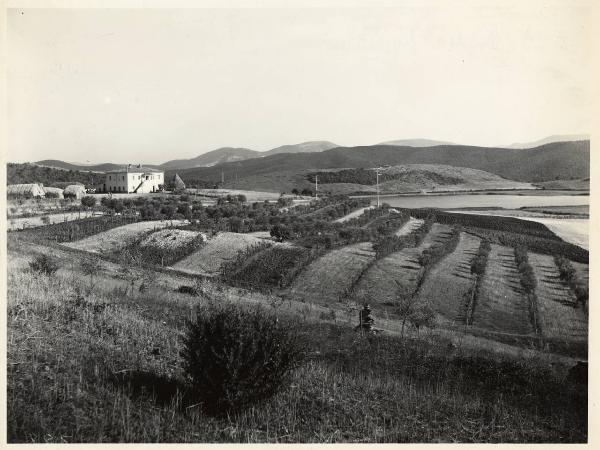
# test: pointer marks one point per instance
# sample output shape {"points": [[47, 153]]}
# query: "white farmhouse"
{"points": [[134, 179]]}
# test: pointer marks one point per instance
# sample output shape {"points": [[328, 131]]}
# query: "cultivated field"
{"points": [[327, 279], [117, 238], [223, 247], [409, 226], [397, 273], [502, 305], [560, 315], [449, 283]]}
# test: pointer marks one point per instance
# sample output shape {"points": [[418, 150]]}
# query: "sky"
{"points": [[150, 85]]}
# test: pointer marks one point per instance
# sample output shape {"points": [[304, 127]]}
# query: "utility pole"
{"points": [[377, 172], [316, 186]]}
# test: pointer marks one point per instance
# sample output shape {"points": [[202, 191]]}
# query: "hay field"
{"points": [[170, 239], [502, 305], [327, 279], [409, 226], [223, 247], [559, 314], [117, 238], [448, 283]]}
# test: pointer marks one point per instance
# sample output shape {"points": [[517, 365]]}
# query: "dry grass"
{"points": [[561, 317], [449, 282], [106, 368], [117, 238], [223, 247], [327, 279], [502, 305]]}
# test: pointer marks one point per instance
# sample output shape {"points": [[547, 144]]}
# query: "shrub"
{"points": [[44, 264], [235, 358], [52, 195], [88, 201]]}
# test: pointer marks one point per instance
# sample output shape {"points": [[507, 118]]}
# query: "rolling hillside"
{"points": [[416, 142], [562, 160], [219, 156], [304, 147]]}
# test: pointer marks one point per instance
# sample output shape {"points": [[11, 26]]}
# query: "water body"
{"points": [[481, 200]]}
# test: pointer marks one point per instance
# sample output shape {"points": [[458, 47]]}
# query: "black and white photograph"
{"points": [[276, 222]]}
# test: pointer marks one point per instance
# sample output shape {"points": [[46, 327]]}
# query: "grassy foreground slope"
{"points": [[105, 367]]}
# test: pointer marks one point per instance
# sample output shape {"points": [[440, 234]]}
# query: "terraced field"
{"points": [[447, 285], [117, 238], [560, 315], [409, 226], [328, 278], [223, 247], [502, 305], [398, 272]]}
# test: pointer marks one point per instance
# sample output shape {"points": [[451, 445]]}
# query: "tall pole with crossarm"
{"points": [[377, 172]]}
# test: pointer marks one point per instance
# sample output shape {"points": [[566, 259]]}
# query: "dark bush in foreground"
{"points": [[235, 358], [44, 264]]}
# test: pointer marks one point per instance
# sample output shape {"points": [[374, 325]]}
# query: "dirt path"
{"points": [[353, 214], [409, 226]]}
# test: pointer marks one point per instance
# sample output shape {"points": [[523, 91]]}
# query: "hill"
{"points": [[304, 147], [563, 160], [550, 140], [57, 164], [416, 142], [212, 158], [48, 176]]}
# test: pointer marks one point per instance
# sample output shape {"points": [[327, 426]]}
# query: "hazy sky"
{"points": [[126, 85]]}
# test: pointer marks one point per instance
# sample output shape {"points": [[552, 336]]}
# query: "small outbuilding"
{"points": [[30, 190], [74, 191], [177, 183]]}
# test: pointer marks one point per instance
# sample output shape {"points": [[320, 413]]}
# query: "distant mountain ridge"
{"points": [[303, 147], [551, 140], [416, 142], [551, 161], [561, 160], [212, 158]]}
